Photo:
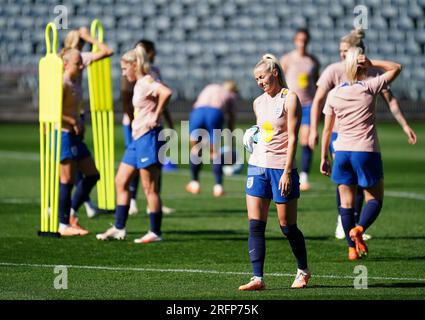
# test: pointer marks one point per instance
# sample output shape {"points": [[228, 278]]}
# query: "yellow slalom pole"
{"points": [[111, 184], [50, 117]]}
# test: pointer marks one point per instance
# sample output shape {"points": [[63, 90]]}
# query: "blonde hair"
{"points": [[72, 39], [352, 70], [231, 86], [270, 62], [67, 53], [139, 56], [355, 38]]}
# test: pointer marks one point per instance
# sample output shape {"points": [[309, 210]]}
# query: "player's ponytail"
{"points": [[138, 56], [355, 38], [270, 62], [351, 67], [72, 39]]}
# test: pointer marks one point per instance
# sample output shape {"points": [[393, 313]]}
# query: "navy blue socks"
{"points": [[65, 202], [370, 213], [358, 204], [82, 192], [218, 173], [257, 246], [347, 219], [296, 240], [155, 222], [306, 157], [121, 215], [194, 170], [134, 184]]}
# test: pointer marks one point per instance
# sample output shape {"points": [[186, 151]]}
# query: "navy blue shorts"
{"points": [[264, 183], [357, 168], [306, 111], [207, 118], [73, 147], [144, 151]]}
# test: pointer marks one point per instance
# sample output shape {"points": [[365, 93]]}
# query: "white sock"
{"points": [[258, 278]]}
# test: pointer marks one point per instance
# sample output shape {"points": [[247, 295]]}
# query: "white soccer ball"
{"points": [[250, 138]]}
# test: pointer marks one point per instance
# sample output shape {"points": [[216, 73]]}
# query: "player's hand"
{"points": [[363, 61], [285, 184], [313, 139], [79, 128], [411, 135], [325, 167]]}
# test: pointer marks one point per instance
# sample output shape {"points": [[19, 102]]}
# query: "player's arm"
{"points": [[293, 107], [394, 107], [126, 98], [325, 167], [104, 50], [164, 94], [392, 69], [284, 63], [316, 110]]}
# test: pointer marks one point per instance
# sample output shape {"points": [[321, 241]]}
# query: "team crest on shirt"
{"points": [[249, 182], [267, 131]]}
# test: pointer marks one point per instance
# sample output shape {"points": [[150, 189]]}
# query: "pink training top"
{"points": [[216, 96], [299, 75], [145, 102], [156, 74], [354, 107], [271, 114], [88, 57], [334, 75]]}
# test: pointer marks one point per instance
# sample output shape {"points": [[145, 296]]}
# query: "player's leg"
{"points": [[214, 123], [258, 197], [306, 151], [196, 121], [122, 181], [134, 184], [150, 182], [90, 177]]}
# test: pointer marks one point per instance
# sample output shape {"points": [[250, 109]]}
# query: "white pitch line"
{"points": [[106, 268]]}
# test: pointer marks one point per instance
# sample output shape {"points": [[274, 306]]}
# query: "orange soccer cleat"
{"points": [[356, 234], [352, 254], [73, 221], [254, 284], [193, 187], [301, 279]]}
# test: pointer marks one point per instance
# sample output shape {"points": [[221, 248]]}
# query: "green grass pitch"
{"points": [[204, 254]]}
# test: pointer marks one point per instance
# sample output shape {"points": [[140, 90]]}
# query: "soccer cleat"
{"points": [[165, 210], [254, 284], [69, 231], [112, 233], [73, 221], [218, 190], [91, 210], [352, 254], [133, 208], [301, 279], [356, 235], [304, 185], [366, 236], [193, 187], [148, 238], [339, 231]]}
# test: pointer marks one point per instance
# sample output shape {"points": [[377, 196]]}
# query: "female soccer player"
{"points": [[75, 39], [332, 76], [357, 155], [272, 173], [74, 153], [141, 157], [213, 102], [301, 73], [126, 97]]}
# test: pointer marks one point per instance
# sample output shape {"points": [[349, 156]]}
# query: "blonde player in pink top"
{"points": [[301, 73], [272, 173], [75, 39], [333, 75], [213, 103], [142, 155], [357, 155], [127, 89]]}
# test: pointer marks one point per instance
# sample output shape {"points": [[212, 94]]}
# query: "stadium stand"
{"points": [[199, 42]]}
